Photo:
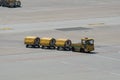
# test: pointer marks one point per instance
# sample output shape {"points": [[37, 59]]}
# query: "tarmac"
{"points": [[60, 19]]}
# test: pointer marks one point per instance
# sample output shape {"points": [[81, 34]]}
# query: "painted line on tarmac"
{"points": [[6, 28], [96, 24]]}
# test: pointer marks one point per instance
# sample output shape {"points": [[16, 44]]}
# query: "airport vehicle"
{"points": [[63, 44], [86, 45], [10, 3], [32, 41], [47, 43]]}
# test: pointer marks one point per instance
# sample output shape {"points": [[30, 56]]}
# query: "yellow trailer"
{"points": [[47, 43], [63, 44], [32, 41]]}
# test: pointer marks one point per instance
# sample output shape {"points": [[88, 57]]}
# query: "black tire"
{"points": [[4, 4], [18, 4], [73, 49], [82, 50], [38, 46], [67, 49], [42, 47], [48, 47], [11, 5], [58, 48], [27, 46], [0, 3], [33, 46], [52, 47], [88, 52]]}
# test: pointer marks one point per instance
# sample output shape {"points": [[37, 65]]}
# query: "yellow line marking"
{"points": [[96, 24], [6, 28]]}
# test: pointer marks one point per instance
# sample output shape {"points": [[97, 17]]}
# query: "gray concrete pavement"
{"points": [[18, 62], [87, 23], [60, 65], [60, 19]]}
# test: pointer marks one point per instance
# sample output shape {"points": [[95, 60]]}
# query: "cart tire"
{"points": [[42, 47], [18, 4], [73, 49], [27, 46]]}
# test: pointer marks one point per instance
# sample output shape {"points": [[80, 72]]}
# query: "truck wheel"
{"points": [[88, 52], [82, 50]]}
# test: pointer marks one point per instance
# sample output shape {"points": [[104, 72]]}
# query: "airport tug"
{"points": [[86, 45]]}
